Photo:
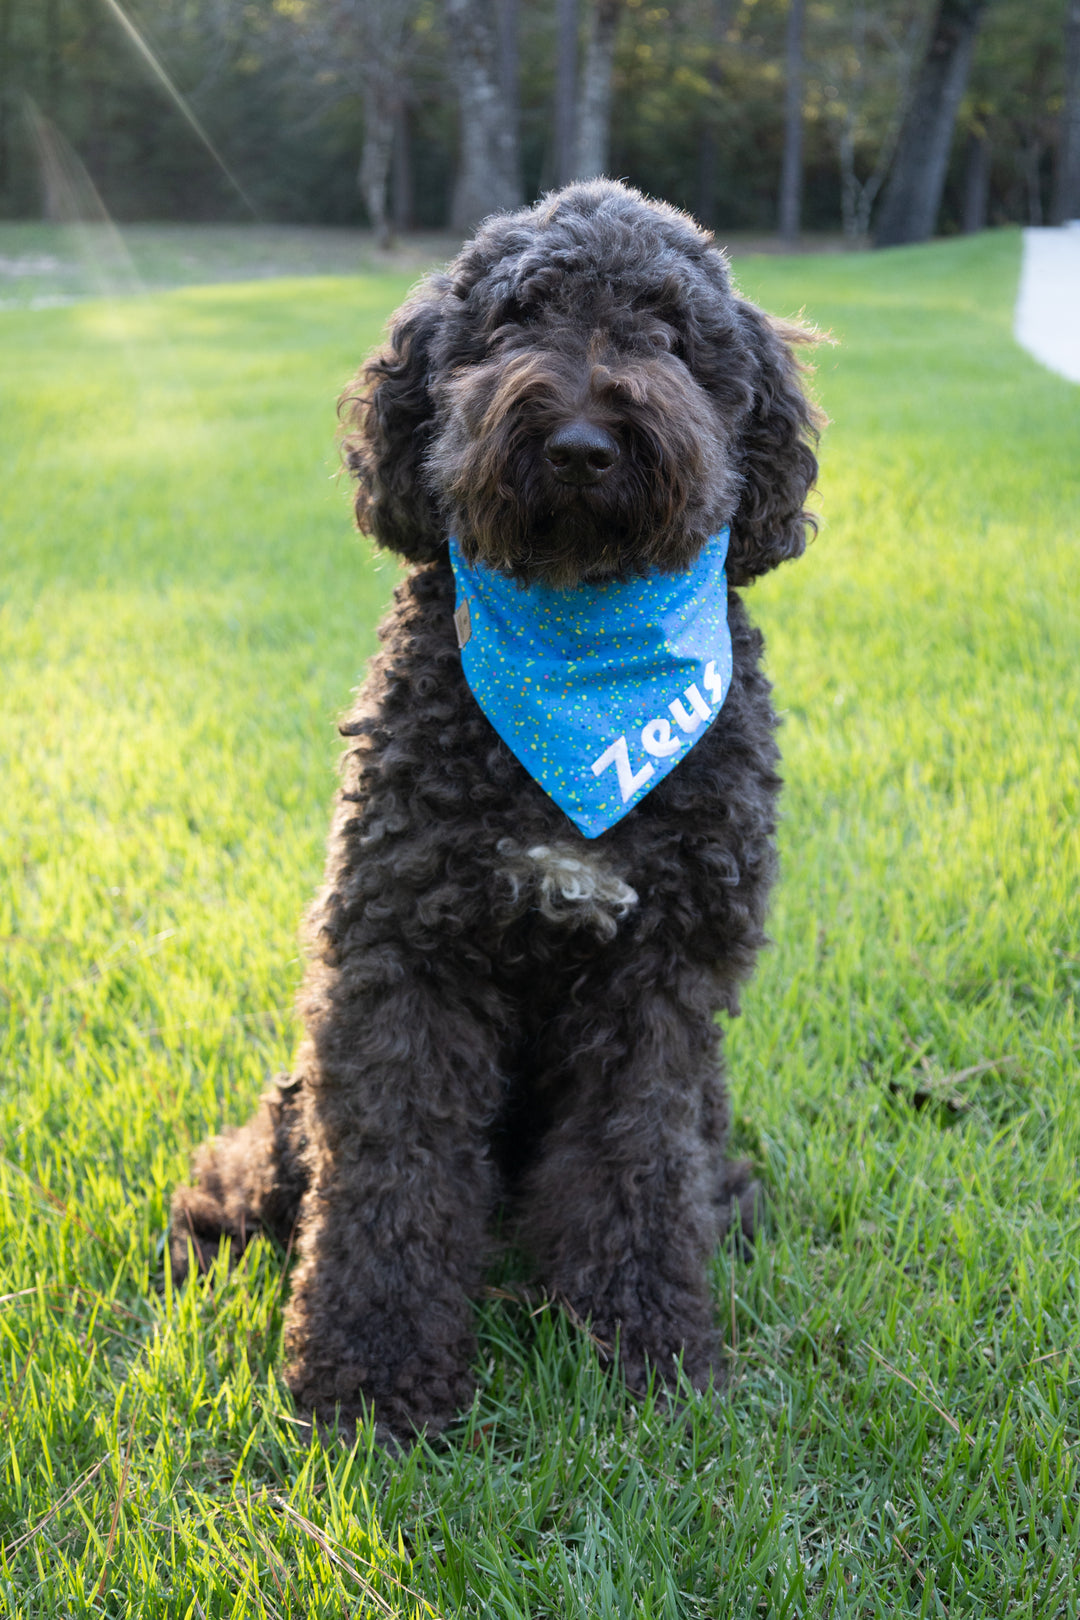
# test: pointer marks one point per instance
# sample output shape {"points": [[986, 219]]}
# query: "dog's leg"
{"points": [[247, 1179], [621, 1209], [400, 1093]]}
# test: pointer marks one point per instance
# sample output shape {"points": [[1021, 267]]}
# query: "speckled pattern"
{"points": [[601, 690]]}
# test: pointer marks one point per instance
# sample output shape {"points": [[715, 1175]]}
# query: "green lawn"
{"points": [[182, 612]]}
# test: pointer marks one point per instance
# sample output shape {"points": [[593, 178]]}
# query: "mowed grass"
{"points": [[183, 612]]}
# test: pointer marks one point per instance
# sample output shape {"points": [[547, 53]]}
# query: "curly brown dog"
{"points": [[502, 1013]]}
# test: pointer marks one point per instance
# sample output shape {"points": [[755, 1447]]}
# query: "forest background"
{"points": [[425, 114]]}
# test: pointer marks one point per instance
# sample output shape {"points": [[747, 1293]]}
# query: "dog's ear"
{"points": [[387, 414], [778, 464]]}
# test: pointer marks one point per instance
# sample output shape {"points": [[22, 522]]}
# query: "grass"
{"points": [[182, 612], [43, 265]]}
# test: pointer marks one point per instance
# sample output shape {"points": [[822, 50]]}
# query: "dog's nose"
{"points": [[581, 453]]}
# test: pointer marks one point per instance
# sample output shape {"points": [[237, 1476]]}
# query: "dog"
{"points": [[514, 977]]}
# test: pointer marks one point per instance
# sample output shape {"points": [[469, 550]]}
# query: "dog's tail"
{"points": [[247, 1180]]}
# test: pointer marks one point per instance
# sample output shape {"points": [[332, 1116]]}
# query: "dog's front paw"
{"points": [[406, 1402], [670, 1358], [667, 1345]]}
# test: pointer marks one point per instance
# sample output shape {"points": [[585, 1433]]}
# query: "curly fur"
{"points": [[500, 1013]]}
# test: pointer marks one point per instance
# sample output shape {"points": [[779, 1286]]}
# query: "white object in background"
{"points": [[1047, 322]]}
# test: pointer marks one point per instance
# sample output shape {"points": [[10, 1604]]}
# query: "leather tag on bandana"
{"points": [[462, 622]]}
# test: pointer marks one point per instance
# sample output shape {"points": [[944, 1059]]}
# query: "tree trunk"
{"points": [[380, 114], [1032, 163], [381, 29], [488, 175], [510, 66], [849, 181], [1067, 177], [565, 89], [791, 168], [51, 21], [976, 183], [5, 92], [912, 197], [594, 106], [95, 147], [708, 137], [401, 171]]}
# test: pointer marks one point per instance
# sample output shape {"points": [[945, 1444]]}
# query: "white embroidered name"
{"points": [[658, 739]]}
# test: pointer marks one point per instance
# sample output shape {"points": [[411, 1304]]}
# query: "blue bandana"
{"points": [[599, 691]]}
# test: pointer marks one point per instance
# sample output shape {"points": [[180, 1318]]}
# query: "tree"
{"points": [[791, 167], [488, 173], [976, 183], [1009, 118], [6, 89], [684, 97], [380, 31], [709, 135], [566, 46], [594, 102], [865, 55], [1067, 186], [510, 67], [913, 194]]}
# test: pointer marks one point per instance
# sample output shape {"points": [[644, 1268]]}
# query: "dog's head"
{"points": [[582, 396]]}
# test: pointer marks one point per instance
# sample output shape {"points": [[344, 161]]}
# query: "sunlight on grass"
{"points": [[182, 613]]}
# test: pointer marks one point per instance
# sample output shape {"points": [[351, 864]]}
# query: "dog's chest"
{"points": [[569, 885]]}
